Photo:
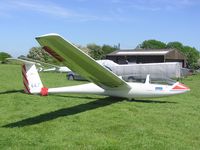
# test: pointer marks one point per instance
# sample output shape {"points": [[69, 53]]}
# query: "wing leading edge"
{"points": [[79, 62]]}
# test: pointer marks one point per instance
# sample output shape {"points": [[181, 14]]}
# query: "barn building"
{"points": [[139, 56]]}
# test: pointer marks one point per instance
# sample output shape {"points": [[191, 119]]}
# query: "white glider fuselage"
{"points": [[137, 90]]}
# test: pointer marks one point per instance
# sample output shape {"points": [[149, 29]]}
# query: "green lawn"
{"points": [[94, 122]]}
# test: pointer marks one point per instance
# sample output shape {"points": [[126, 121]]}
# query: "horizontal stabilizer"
{"points": [[21, 60]]}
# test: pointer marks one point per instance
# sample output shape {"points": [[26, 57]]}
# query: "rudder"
{"points": [[31, 79]]}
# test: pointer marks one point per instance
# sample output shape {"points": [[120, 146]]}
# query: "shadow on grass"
{"points": [[75, 96], [150, 101], [64, 112], [73, 110], [12, 91]]}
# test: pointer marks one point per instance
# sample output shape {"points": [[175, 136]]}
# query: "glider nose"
{"points": [[180, 87]]}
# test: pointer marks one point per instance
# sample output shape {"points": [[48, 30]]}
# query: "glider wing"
{"points": [[79, 62]]}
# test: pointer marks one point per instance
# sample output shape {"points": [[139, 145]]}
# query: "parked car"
{"points": [[131, 72], [74, 76]]}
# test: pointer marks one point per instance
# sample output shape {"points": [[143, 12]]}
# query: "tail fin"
{"points": [[31, 78]]}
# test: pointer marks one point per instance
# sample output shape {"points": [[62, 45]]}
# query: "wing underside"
{"points": [[79, 62]]}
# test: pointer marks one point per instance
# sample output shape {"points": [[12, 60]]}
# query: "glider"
{"points": [[103, 81], [43, 65]]}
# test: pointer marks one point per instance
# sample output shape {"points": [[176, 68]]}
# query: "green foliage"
{"points": [[95, 51], [108, 49], [77, 121], [84, 49], [152, 44], [191, 53], [37, 53], [98, 52], [176, 45], [198, 63], [192, 56], [3, 56]]}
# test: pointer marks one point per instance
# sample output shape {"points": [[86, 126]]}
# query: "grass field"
{"points": [[94, 122]]}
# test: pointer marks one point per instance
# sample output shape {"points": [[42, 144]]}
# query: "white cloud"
{"points": [[113, 10], [43, 7], [47, 8]]}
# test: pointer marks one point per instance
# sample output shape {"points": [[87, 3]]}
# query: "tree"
{"points": [[84, 49], [190, 52], [99, 52], [107, 49], [192, 56], [176, 45], [3, 56], [152, 44], [96, 51], [37, 53], [198, 63]]}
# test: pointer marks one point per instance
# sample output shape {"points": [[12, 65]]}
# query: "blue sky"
{"points": [[128, 22]]}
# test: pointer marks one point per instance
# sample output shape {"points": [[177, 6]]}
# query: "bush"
{"points": [[3, 56]]}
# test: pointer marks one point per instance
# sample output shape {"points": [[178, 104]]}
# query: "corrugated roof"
{"points": [[141, 52]]}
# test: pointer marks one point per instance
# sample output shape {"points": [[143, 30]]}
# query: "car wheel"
{"points": [[130, 79], [70, 77]]}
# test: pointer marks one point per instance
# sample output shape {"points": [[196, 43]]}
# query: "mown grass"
{"points": [[94, 122]]}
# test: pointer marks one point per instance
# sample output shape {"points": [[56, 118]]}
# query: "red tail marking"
{"points": [[27, 90], [24, 77], [25, 80]]}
